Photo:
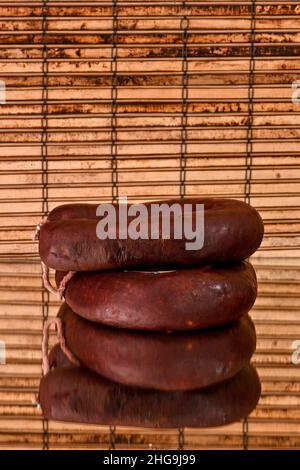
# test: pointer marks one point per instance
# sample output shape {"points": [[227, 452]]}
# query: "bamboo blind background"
{"points": [[149, 99]]}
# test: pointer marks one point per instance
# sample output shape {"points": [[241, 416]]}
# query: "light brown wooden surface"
{"points": [[71, 54]]}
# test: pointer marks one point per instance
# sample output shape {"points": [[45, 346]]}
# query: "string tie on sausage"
{"points": [[36, 235], [35, 400], [60, 336], [58, 291]]}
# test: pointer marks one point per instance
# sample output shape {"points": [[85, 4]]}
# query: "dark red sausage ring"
{"points": [[233, 230], [177, 361], [185, 299], [77, 395]]}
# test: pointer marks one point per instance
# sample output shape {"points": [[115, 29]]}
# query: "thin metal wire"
{"points": [[45, 435], [44, 136], [114, 104], [112, 437], [114, 145], [249, 147], [180, 438], [44, 155], [245, 433], [251, 83], [184, 24]]}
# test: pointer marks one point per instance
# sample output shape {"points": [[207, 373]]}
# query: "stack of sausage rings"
{"points": [[151, 334]]}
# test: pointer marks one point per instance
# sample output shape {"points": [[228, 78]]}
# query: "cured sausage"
{"points": [[68, 241], [88, 211], [57, 358], [77, 395], [178, 300], [177, 361]]}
